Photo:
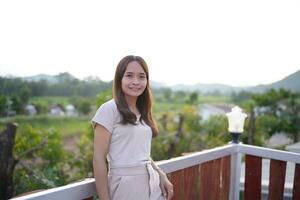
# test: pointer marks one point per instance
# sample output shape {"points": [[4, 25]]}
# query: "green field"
{"points": [[66, 126]]}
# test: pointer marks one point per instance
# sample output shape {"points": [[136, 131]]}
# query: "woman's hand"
{"points": [[165, 185]]}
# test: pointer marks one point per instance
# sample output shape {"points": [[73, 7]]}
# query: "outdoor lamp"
{"points": [[236, 119]]}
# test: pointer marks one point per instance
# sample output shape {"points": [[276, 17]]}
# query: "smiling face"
{"points": [[134, 80]]}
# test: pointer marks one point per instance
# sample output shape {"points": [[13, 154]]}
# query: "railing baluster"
{"points": [[191, 177], [253, 177], [177, 181], [216, 172], [205, 180], [276, 179], [225, 178], [296, 189]]}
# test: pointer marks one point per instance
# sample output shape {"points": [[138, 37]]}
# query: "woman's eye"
{"points": [[128, 75], [142, 77]]}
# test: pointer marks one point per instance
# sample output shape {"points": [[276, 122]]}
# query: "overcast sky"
{"points": [[240, 43]]}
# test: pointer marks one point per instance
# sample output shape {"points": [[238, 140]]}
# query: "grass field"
{"points": [[66, 126]]}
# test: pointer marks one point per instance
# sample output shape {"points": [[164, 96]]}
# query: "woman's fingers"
{"points": [[170, 194], [163, 190]]}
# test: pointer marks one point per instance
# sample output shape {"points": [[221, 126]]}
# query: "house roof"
{"points": [[294, 147]]}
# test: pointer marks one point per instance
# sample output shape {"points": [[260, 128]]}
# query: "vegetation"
{"points": [[67, 154]]}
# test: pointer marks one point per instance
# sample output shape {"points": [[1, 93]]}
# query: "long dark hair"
{"points": [[144, 101]]}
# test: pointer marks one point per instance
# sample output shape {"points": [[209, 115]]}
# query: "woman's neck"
{"points": [[131, 102]]}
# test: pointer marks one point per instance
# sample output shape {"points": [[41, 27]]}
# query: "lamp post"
{"points": [[236, 119]]}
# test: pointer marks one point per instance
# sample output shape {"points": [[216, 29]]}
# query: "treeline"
{"points": [[68, 87]]}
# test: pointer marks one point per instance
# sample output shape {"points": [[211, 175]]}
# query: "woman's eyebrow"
{"points": [[141, 73]]}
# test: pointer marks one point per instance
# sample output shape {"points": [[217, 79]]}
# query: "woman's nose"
{"points": [[135, 80]]}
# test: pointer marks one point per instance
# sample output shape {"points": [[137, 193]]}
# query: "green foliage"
{"points": [[167, 94], [2, 105], [17, 105], [160, 146], [282, 108], [213, 99], [64, 86], [84, 163], [84, 107], [215, 132], [269, 124], [103, 96], [52, 165], [196, 136], [66, 126], [25, 94], [192, 119], [42, 168], [238, 97], [180, 96], [193, 97]]}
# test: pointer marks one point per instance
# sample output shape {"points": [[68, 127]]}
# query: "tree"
{"points": [[84, 107], [17, 104], [193, 98], [25, 94], [103, 96], [2, 105], [167, 93], [8, 161], [283, 110]]}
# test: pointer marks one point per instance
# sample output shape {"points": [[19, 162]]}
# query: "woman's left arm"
{"points": [[165, 185]]}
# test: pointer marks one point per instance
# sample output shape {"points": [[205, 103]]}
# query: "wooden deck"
{"points": [[209, 175]]}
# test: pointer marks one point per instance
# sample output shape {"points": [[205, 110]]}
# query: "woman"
{"points": [[124, 128]]}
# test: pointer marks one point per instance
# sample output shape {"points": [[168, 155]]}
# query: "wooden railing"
{"points": [[277, 172], [208, 175]]}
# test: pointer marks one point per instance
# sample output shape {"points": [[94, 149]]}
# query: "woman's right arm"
{"points": [[101, 145]]}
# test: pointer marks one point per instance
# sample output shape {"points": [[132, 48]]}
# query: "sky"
{"points": [[235, 42]]}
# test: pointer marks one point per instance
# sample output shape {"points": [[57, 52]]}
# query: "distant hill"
{"points": [[291, 82], [61, 77], [207, 88]]}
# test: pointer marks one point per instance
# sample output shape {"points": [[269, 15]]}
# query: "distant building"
{"points": [[208, 110], [70, 110], [278, 139], [56, 110], [30, 109], [294, 147]]}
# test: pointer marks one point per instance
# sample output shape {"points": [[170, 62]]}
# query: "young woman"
{"points": [[124, 127]]}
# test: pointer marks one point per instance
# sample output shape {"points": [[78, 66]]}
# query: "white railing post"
{"points": [[235, 173]]}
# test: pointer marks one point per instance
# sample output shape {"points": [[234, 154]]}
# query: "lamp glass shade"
{"points": [[236, 119]]}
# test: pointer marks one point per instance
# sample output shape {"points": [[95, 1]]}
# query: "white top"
{"points": [[130, 145]]}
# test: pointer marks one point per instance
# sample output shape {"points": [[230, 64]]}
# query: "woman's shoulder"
{"points": [[109, 105]]}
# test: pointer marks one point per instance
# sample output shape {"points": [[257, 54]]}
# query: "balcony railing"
{"points": [[213, 174]]}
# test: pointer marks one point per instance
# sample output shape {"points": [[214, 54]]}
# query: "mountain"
{"points": [[61, 77], [157, 85], [291, 82], [207, 88]]}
